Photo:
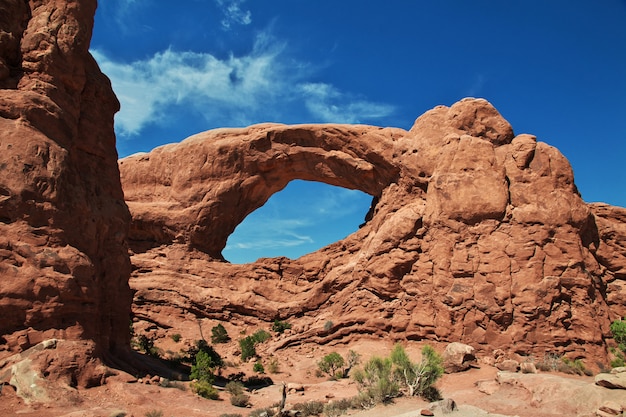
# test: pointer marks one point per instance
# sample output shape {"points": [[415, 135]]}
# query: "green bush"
{"points": [[417, 377], [618, 329], [328, 326], [219, 334], [376, 382], [258, 367], [205, 389], [331, 364], [280, 326], [176, 337], [380, 379], [247, 348], [248, 343], [202, 369], [145, 344], [261, 336], [154, 413]]}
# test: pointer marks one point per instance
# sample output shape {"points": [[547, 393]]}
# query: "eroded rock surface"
{"points": [[64, 264], [478, 235]]}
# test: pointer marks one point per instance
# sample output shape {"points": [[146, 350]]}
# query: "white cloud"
{"points": [[233, 13], [330, 105], [268, 232], [263, 85], [148, 88]]}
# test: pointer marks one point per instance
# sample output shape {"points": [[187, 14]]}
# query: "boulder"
{"points": [[527, 368], [458, 357], [508, 365], [614, 381]]}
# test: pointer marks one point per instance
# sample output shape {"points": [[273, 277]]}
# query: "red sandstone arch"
{"points": [[210, 182]]}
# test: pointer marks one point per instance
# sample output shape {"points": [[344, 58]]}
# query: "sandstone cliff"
{"points": [[64, 264], [477, 236]]}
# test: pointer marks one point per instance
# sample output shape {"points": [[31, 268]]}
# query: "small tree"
{"points": [[202, 369], [247, 348], [417, 377], [219, 334], [331, 363]]}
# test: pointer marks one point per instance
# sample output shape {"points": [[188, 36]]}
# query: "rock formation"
{"points": [[478, 236], [64, 263]]}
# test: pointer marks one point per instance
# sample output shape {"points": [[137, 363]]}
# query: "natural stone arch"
{"points": [[476, 234], [210, 182]]}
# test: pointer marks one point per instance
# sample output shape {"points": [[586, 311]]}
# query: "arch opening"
{"points": [[301, 218]]}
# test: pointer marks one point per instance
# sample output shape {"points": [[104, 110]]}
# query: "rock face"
{"points": [[477, 235], [64, 264]]}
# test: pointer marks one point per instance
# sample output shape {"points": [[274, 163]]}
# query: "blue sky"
{"points": [[556, 69]]}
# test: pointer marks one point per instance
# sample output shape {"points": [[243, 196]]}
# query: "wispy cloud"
{"points": [[148, 89], [288, 219], [269, 232], [264, 85], [330, 105], [233, 13]]}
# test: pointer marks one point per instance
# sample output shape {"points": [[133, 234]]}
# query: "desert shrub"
{"points": [[328, 326], [331, 364], [338, 407], [145, 344], [280, 326], [230, 415], [260, 412], [618, 329], [234, 387], [240, 400], [202, 369], [417, 377], [550, 362], [309, 408], [376, 382], [258, 367], [204, 389], [247, 348], [154, 413], [248, 343], [575, 366], [202, 346], [553, 362], [261, 336], [273, 366], [352, 359], [176, 337], [619, 359], [219, 334]]}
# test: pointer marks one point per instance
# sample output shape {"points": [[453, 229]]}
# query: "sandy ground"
{"points": [[125, 395]]}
